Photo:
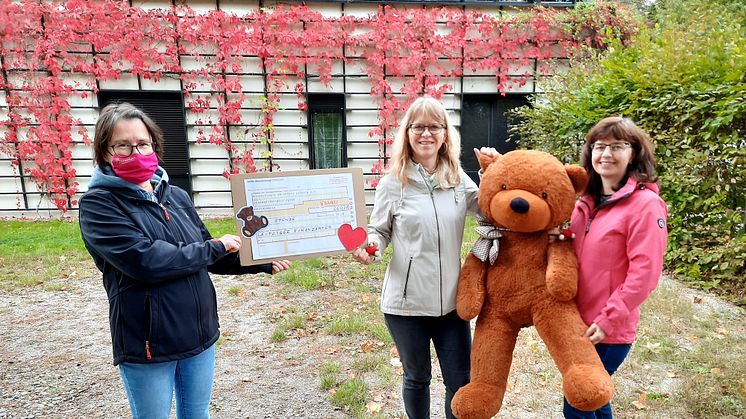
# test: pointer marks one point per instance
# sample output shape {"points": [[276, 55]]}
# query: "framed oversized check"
{"points": [[295, 215]]}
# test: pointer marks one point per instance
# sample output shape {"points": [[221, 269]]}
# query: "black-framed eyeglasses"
{"points": [[126, 150], [420, 129], [599, 147]]}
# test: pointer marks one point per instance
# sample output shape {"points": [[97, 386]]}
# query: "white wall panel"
{"points": [[83, 167], [86, 116], [208, 183], [290, 151], [212, 199], [290, 118], [519, 85], [167, 82], [125, 82], [11, 202], [207, 150], [335, 85], [77, 100], [208, 167], [480, 85], [360, 101], [239, 7], [362, 150], [360, 117], [6, 167], [82, 151], [287, 165], [358, 85], [10, 185], [291, 134], [337, 68], [252, 83]]}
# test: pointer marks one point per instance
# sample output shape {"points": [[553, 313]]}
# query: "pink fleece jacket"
{"points": [[620, 246]]}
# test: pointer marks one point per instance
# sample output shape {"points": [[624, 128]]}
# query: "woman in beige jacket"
{"points": [[420, 208]]}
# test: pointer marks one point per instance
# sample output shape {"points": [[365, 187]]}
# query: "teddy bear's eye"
{"points": [[503, 186], [544, 195]]}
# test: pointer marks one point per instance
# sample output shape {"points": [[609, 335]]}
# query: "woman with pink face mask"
{"points": [[155, 254]]}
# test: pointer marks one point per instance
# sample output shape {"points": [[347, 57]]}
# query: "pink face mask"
{"points": [[135, 168]]}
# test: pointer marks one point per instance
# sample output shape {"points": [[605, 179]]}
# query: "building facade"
{"points": [[278, 87]]}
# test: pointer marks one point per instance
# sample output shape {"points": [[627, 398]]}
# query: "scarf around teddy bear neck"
{"points": [[488, 243]]}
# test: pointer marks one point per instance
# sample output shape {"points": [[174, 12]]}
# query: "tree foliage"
{"points": [[683, 80]]}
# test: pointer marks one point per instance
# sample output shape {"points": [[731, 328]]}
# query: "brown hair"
{"points": [[449, 165], [617, 128], [108, 118]]}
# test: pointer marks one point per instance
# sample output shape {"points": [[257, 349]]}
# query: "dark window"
{"points": [[326, 131], [484, 123], [167, 110]]}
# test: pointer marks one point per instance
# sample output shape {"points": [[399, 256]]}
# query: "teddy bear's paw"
{"points": [[477, 401], [587, 387]]}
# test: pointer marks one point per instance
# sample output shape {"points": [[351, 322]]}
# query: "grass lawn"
{"points": [[42, 253]]}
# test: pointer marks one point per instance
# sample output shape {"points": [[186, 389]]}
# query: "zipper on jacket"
{"points": [[595, 210], [437, 229], [165, 212], [195, 294], [406, 279], [148, 326]]}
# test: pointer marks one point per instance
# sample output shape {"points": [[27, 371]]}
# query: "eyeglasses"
{"points": [[126, 150], [599, 147], [420, 129]]}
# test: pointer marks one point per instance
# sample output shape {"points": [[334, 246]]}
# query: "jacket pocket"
{"points": [[406, 278]]}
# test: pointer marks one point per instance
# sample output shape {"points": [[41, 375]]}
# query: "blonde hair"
{"points": [[448, 167]]}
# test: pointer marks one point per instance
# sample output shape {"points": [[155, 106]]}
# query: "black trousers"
{"points": [[451, 337]]}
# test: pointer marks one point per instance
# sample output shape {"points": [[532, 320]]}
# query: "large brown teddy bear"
{"points": [[524, 194]]}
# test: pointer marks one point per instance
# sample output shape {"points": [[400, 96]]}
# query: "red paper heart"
{"points": [[350, 238]]}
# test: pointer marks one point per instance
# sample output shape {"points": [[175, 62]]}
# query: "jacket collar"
{"points": [[631, 186], [418, 175], [104, 178]]}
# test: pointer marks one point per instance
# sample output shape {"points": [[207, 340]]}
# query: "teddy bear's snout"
{"points": [[519, 205]]}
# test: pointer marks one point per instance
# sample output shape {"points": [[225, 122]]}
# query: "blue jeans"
{"points": [[612, 356], [451, 337], [150, 387]]}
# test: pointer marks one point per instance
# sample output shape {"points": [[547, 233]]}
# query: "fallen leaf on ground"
{"points": [[373, 407], [640, 402], [395, 362]]}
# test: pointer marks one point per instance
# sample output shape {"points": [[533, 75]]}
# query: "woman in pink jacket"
{"points": [[620, 239]]}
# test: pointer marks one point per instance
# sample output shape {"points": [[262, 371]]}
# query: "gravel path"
{"points": [[55, 358]]}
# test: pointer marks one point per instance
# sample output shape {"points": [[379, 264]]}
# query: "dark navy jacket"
{"points": [[155, 254]]}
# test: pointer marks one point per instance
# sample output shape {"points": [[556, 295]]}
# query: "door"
{"points": [[485, 123]]}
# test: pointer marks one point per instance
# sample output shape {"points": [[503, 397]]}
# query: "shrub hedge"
{"points": [[682, 79]]}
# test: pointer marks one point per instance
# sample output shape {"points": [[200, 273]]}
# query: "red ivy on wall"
{"points": [[44, 44]]}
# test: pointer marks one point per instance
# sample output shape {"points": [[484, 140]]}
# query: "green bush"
{"points": [[682, 79]]}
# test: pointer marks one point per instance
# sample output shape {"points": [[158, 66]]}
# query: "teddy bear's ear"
{"points": [[486, 160], [578, 177]]}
